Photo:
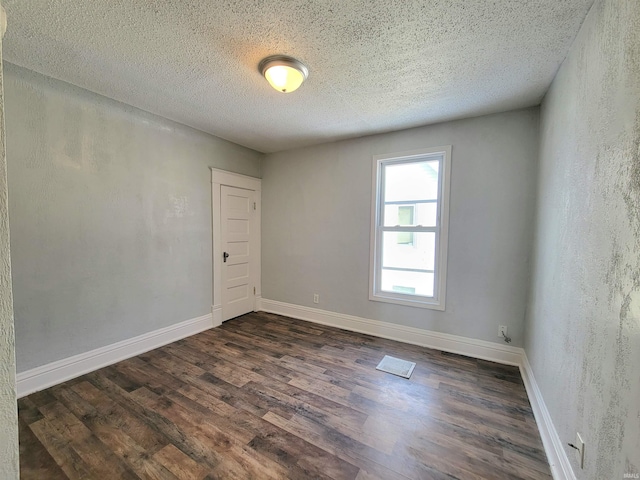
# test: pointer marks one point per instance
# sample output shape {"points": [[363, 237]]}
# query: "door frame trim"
{"points": [[219, 178]]}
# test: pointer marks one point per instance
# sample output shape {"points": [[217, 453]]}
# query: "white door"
{"points": [[238, 221]]}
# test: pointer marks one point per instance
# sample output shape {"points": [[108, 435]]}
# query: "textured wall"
{"points": [[8, 410], [111, 217], [583, 327], [316, 224]]}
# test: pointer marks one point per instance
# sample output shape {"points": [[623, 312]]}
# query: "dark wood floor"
{"points": [[266, 396]]}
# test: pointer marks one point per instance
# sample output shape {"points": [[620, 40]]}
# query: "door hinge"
{"points": [[254, 205], [254, 290]]}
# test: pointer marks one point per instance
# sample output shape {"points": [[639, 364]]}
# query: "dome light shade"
{"points": [[283, 73]]}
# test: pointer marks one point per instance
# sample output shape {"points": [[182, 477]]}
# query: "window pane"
{"points": [[424, 214], [411, 181], [418, 255], [405, 214], [405, 217], [409, 283]]}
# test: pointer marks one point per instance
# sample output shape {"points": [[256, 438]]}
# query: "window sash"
{"points": [[408, 228], [405, 202], [381, 228], [380, 266], [399, 269]]}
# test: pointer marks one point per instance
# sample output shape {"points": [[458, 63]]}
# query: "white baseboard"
{"points": [[558, 461], [60, 371], [470, 347], [216, 314], [257, 305]]}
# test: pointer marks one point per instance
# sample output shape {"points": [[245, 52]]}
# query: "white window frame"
{"points": [[437, 302]]}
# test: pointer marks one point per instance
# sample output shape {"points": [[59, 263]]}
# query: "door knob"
{"points": [[225, 255]]}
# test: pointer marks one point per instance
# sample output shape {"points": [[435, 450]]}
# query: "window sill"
{"points": [[430, 305]]}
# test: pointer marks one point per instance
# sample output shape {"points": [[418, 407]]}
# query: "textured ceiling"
{"points": [[375, 66]]}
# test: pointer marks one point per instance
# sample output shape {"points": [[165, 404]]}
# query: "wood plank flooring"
{"points": [[265, 396]]}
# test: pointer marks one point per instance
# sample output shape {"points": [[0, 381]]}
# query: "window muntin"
{"points": [[409, 228]]}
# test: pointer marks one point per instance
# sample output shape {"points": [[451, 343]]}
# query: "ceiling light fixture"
{"points": [[283, 73]]}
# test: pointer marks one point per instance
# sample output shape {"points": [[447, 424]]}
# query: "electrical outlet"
{"points": [[502, 331], [580, 450], [316, 298]]}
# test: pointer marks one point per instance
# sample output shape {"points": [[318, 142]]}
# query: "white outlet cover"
{"points": [[580, 450]]}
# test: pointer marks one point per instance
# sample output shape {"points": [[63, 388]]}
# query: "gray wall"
{"points": [[583, 326], [8, 409], [316, 224], [111, 217]]}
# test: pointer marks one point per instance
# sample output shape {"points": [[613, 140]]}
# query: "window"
{"points": [[409, 228]]}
